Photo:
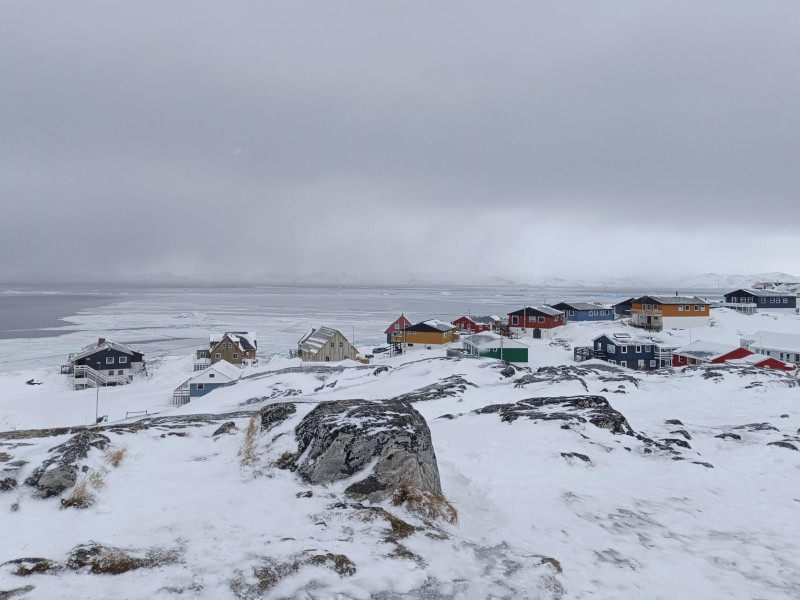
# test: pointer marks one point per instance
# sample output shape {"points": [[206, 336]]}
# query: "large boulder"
{"points": [[339, 439], [59, 471]]}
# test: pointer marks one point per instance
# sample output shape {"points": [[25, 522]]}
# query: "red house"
{"points": [[470, 324], [702, 353], [400, 323], [536, 321], [765, 362]]}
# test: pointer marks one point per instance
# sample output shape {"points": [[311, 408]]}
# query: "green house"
{"points": [[492, 345]]}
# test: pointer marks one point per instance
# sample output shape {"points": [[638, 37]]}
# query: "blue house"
{"points": [[205, 381], [585, 311], [748, 300], [643, 352]]}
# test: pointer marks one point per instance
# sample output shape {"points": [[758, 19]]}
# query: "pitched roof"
{"points": [[401, 321], [224, 368], [316, 339], [626, 339], [92, 348], [544, 311], [488, 320], [672, 300], [704, 350], [579, 306], [762, 293], [431, 325], [491, 340], [775, 340], [246, 340]]}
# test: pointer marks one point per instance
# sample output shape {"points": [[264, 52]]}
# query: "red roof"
{"points": [[401, 323]]}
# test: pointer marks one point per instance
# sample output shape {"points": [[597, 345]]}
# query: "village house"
{"points": [[235, 347], [324, 344], [103, 363], [669, 312], [473, 324], [783, 346], [702, 352], [584, 311], [622, 310], [493, 345], [432, 332], [764, 362], [535, 321], [399, 324], [748, 300], [642, 352], [219, 374]]}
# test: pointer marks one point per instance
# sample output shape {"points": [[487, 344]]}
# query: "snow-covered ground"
{"points": [[718, 518]]}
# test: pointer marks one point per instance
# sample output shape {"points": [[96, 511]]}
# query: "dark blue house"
{"points": [[642, 352], [748, 300], [585, 311]]}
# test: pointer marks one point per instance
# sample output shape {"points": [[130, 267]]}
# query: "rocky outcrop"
{"points": [[275, 414], [340, 439], [59, 472], [449, 387], [572, 409]]}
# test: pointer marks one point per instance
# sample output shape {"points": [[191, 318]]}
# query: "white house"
{"points": [[783, 346]]}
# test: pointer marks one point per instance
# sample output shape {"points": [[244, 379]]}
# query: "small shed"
{"points": [[493, 345], [703, 352]]}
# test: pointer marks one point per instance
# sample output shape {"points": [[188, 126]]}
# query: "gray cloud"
{"points": [[256, 138]]}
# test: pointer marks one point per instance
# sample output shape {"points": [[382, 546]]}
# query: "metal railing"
{"points": [[84, 376]]}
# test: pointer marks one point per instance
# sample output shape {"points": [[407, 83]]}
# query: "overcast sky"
{"points": [[408, 139]]}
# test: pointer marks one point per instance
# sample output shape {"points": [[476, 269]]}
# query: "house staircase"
{"points": [[85, 377]]}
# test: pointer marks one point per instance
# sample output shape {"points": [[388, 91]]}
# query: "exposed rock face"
{"points": [[449, 387], [275, 414], [576, 409], [340, 438], [228, 427], [60, 471]]}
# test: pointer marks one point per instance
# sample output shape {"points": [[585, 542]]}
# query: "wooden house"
{"points": [[493, 345], [324, 344], [642, 352], [584, 311], [622, 310], [782, 346], [235, 347], [432, 332], [399, 324], [702, 352], [669, 312], [764, 362], [535, 321], [748, 300], [219, 374], [104, 363], [469, 324]]}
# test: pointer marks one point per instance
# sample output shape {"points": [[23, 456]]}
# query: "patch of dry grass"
{"points": [[114, 456], [431, 506], [82, 495], [249, 454]]}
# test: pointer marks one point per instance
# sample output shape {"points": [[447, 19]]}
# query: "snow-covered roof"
{"points": [[226, 370], [704, 350], [673, 299], [774, 340], [316, 338], [582, 305], [623, 339], [545, 310], [762, 293], [440, 325], [246, 340], [488, 320], [96, 347], [754, 359], [491, 340]]}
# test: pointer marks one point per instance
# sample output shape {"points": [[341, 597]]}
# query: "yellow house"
{"points": [[426, 333]]}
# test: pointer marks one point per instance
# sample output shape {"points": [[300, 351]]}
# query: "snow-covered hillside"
{"points": [[570, 480]]}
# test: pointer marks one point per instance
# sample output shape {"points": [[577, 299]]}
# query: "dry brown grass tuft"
{"points": [[428, 505], [114, 456], [249, 454], [286, 461], [81, 496]]}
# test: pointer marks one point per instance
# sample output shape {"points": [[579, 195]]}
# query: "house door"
{"points": [[537, 333], [649, 321]]}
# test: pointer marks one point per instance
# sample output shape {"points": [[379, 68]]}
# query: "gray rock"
{"points": [[275, 414], [8, 594], [339, 439], [732, 436], [681, 432], [758, 427], [60, 471], [673, 422], [228, 427], [7, 484], [449, 387], [786, 445]]}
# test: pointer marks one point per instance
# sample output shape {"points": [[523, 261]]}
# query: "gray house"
{"points": [[324, 344]]}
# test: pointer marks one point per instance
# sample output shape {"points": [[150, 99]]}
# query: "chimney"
{"points": [[101, 341]]}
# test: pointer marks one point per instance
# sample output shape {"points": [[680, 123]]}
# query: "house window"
{"points": [[333, 344], [109, 360], [623, 349], [696, 307], [652, 363], [515, 320], [638, 349], [571, 313], [327, 359], [119, 372], [111, 372], [647, 348], [624, 363], [611, 349], [211, 376], [397, 325], [200, 386], [786, 301], [688, 308], [541, 319], [341, 344], [235, 355], [123, 360], [597, 345], [680, 309]]}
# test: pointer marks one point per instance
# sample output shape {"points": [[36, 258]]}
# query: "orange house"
{"points": [[669, 312]]}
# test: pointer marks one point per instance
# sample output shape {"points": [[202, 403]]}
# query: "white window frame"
{"points": [[109, 360], [123, 360], [623, 349], [652, 363]]}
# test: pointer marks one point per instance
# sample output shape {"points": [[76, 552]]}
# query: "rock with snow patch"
{"points": [[228, 427], [59, 472], [339, 439], [782, 444], [275, 414]]}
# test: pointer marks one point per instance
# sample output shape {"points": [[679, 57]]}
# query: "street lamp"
{"points": [[97, 396]]}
